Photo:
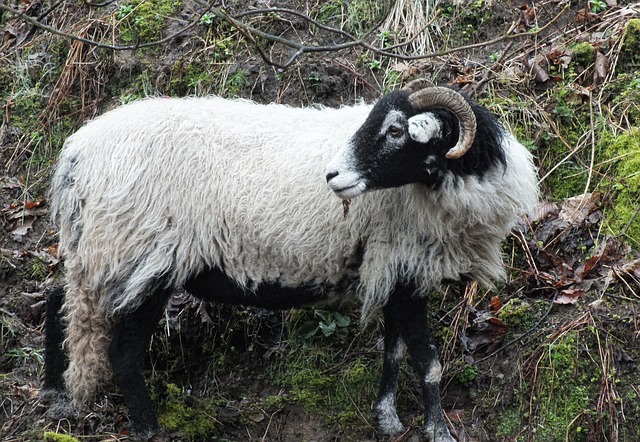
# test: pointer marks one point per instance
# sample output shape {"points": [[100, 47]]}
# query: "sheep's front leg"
{"points": [[385, 409], [407, 314], [129, 344]]}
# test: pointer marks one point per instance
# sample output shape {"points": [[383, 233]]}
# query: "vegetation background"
{"points": [[550, 355]]}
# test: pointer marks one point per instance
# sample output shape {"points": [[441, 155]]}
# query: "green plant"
{"points": [[354, 16], [597, 6], [207, 19], [384, 37], [26, 355], [374, 64], [322, 322], [38, 269], [7, 329], [468, 374]]}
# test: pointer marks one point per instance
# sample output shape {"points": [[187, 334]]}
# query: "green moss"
{"points": [[630, 49], [274, 403], [144, 20], [509, 422], [308, 375], [584, 53], [206, 76], [570, 170], [624, 184], [567, 386], [195, 421], [624, 93], [50, 436], [520, 315], [558, 398], [317, 375]]}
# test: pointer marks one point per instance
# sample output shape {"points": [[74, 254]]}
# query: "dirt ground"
{"points": [[582, 282]]}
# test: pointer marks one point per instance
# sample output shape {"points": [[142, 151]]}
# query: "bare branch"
{"points": [[354, 42], [252, 34], [35, 22]]}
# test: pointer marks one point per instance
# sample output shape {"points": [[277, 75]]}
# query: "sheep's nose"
{"points": [[332, 175]]}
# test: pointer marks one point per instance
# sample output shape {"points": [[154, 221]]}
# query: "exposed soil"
{"points": [[230, 355]]}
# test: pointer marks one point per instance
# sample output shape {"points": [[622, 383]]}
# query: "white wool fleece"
{"points": [[165, 187]]}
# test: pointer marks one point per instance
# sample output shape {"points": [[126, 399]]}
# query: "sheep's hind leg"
{"points": [[56, 360], [408, 313], [131, 335], [55, 357], [385, 409]]}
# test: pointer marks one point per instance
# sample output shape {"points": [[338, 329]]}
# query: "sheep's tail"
{"points": [[88, 339]]}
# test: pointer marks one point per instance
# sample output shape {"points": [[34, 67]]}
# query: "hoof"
{"points": [[388, 421], [437, 433], [59, 404]]}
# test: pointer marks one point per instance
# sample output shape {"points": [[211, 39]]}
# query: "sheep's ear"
{"points": [[424, 127]]}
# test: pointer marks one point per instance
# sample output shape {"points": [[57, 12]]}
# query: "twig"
{"points": [[252, 33], [485, 78], [35, 22]]}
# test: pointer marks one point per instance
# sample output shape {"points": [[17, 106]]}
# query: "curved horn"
{"points": [[456, 103], [417, 84]]}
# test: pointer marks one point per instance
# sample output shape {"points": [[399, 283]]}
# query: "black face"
{"points": [[389, 148], [398, 145]]}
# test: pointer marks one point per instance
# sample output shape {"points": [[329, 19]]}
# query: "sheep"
{"points": [[236, 203]]}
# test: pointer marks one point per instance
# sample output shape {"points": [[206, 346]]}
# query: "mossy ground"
{"points": [[55, 437], [181, 413], [142, 21]]}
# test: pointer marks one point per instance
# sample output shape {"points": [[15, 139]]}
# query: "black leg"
{"points": [[129, 344], [407, 314], [385, 409], [55, 358]]}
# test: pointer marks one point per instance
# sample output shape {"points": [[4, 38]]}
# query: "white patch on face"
{"points": [[430, 160], [424, 127], [393, 131], [435, 374], [394, 118], [342, 176], [388, 420]]}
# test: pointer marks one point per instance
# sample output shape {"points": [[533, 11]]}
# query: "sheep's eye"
{"points": [[395, 131]]}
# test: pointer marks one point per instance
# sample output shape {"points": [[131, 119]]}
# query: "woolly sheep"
{"points": [[236, 202]]}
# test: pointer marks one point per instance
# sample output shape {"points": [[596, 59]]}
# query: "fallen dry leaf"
{"points": [[568, 296], [575, 210], [23, 228], [601, 68], [496, 304]]}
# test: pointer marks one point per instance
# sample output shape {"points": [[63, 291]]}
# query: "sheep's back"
{"points": [[163, 188]]}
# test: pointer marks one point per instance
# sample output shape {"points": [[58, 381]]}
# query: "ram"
{"points": [[236, 202]]}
